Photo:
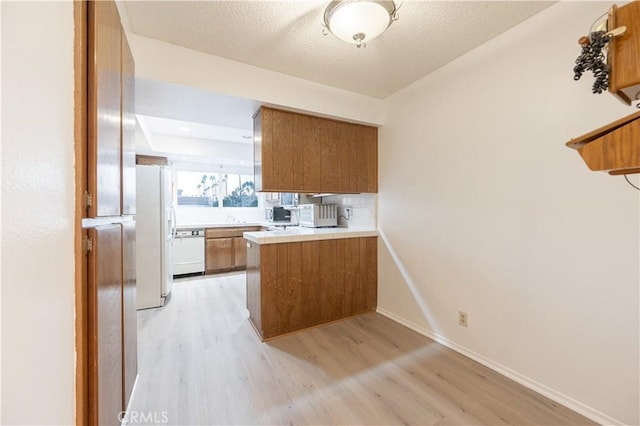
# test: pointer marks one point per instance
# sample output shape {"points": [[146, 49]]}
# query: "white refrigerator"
{"points": [[155, 231]]}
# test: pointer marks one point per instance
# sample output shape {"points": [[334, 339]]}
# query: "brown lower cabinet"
{"points": [[129, 312], [219, 254], [111, 321], [292, 286], [239, 252], [104, 311], [226, 248]]}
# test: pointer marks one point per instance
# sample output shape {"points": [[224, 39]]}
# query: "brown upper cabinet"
{"points": [[302, 153], [128, 131], [111, 120], [104, 84]]}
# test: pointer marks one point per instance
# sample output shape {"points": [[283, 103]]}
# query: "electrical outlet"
{"points": [[348, 211], [463, 319]]}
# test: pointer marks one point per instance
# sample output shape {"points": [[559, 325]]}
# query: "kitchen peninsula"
{"points": [[301, 277]]}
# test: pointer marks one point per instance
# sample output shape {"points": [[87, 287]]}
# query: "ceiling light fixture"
{"points": [[359, 21]]}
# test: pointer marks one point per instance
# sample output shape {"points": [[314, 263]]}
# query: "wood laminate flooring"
{"points": [[200, 362]]}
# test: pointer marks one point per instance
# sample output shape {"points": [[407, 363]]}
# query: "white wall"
{"points": [[483, 209], [190, 215], [157, 60], [0, 223], [37, 213]]}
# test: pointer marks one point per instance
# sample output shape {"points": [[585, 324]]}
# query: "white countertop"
{"points": [[297, 234], [221, 225]]}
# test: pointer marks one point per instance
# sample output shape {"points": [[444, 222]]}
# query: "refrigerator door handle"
{"points": [[173, 223]]}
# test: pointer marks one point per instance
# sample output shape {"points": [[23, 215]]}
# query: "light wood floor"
{"points": [[200, 362]]}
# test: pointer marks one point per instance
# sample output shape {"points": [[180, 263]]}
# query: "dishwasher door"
{"points": [[187, 253]]}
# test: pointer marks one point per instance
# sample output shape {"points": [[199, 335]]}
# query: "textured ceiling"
{"points": [[286, 36]]}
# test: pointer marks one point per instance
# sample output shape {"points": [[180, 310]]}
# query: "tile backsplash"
{"points": [[364, 209]]}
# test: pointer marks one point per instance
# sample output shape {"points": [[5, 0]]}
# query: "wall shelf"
{"points": [[614, 148]]}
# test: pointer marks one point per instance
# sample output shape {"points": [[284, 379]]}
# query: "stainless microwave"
{"points": [[318, 215]]}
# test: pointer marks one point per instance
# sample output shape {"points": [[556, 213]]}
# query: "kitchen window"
{"points": [[203, 189]]}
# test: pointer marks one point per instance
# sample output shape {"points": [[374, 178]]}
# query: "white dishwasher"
{"points": [[187, 253]]}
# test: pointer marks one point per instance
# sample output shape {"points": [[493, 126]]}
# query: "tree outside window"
{"points": [[215, 189]]}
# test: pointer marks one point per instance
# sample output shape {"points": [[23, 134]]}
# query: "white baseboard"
{"points": [[133, 392], [560, 398]]}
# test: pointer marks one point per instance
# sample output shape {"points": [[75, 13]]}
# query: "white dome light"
{"points": [[359, 21]]}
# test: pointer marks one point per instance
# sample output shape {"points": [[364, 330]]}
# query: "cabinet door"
{"points": [[219, 253], [103, 125], [129, 315], [371, 146], [329, 155], [282, 151], [357, 158], [128, 131], [258, 159], [276, 154], [361, 272], [361, 158], [300, 131], [348, 144], [104, 321], [239, 252], [366, 159], [307, 138]]}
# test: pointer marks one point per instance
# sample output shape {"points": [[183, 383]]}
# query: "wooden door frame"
{"points": [[80, 45]]}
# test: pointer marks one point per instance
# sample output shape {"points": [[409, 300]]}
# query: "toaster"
{"points": [[318, 215]]}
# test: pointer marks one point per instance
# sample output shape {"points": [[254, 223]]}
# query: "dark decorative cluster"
{"points": [[592, 59]]}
